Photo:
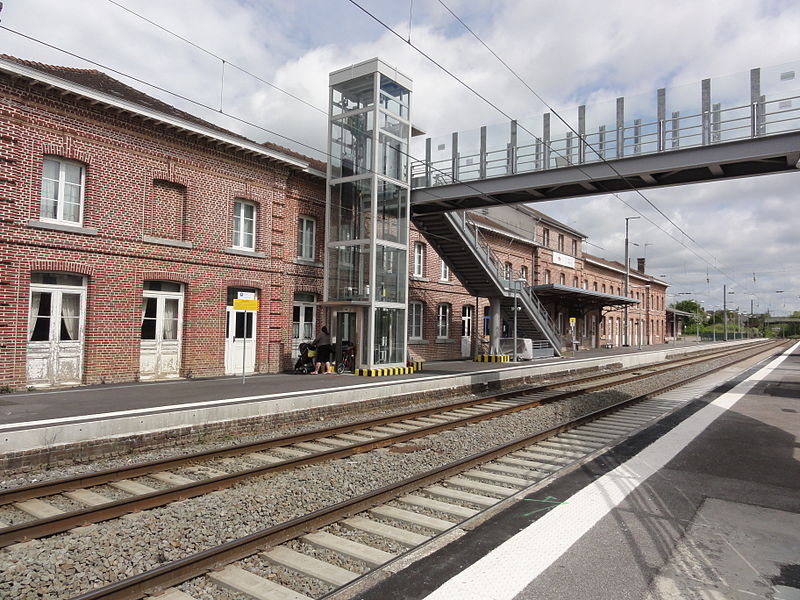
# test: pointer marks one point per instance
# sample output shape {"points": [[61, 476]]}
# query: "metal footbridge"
{"points": [[737, 126]]}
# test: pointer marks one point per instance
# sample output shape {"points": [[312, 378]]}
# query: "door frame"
{"points": [[55, 327], [160, 297]]}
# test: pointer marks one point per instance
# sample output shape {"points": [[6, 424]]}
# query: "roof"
{"points": [[578, 298], [619, 267], [551, 221], [486, 221], [679, 313], [96, 85]]}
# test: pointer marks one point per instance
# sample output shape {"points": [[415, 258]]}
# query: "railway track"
{"points": [[340, 545], [154, 484]]}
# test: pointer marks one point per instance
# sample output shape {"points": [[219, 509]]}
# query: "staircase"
{"points": [[471, 259]]}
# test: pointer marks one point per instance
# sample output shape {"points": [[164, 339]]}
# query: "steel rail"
{"points": [[48, 488], [38, 528], [181, 570]]}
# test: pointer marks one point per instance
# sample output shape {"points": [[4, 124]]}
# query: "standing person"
{"points": [[323, 344]]}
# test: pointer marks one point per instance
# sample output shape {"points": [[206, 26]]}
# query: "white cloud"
{"points": [[570, 52]]}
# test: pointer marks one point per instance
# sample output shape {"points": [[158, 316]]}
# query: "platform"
{"points": [[703, 505], [43, 425]]}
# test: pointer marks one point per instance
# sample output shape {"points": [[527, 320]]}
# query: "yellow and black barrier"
{"points": [[386, 371], [492, 358]]}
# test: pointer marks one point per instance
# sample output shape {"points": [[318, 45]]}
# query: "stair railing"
{"points": [[483, 250]]}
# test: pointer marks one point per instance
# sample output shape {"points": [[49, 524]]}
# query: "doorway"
{"points": [[240, 335], [304, 322], [56, 329], [162, 322], [467, 312], [345, 336]]}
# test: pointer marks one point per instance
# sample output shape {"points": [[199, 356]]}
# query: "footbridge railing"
{"points": [[758, 103]]}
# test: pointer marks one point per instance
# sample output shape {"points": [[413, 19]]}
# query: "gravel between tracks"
{"points": [[65, 565]]}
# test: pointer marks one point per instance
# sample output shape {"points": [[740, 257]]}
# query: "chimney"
{"points": [[640, 265]]}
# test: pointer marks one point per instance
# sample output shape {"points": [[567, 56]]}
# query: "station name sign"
{"points": [[564, 260]]}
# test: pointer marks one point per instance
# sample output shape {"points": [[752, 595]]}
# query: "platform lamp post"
{"points": [[625, 332]]}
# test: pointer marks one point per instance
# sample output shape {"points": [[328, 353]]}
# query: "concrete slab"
{"points": [[372, 556], [252, 586], [401, 536], [411, 517], [309, 566]]}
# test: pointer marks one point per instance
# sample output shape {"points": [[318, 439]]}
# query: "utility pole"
{"points": [[625, 332], [725, 308]]}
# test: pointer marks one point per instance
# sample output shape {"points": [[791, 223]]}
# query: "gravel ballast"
{"points": [[66, 565]]}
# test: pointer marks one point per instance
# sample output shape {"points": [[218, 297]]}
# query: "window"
{"points": [[508, 271], [443, 321], [419, 259], [574, 247], [62, 191], [546, 238], [594, 286], [523, 272], [574, 282], [560, 242], [561, 279], [415, 320], [306, 232], [604, 288], [244, 225], [547, 277], [445, 273]]}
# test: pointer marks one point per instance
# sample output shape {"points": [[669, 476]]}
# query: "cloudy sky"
{"points": [[570, 52]]}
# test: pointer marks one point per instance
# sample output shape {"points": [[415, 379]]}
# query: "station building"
{"points": [[129, 227]]}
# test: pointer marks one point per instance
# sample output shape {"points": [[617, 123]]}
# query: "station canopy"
{"points": [[579, 300]]}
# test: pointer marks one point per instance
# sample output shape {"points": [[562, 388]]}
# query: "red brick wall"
{"points": [[144, 181]]}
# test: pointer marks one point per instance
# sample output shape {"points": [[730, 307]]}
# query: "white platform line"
{"points": [[509, 568], [247, 399]]}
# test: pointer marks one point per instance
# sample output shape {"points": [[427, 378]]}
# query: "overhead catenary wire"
{"points": [[506, 115], [408, 41], [208, 107], [212, 54], [289, 138]]}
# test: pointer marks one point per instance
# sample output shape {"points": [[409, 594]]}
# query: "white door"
{"points": [[56, 326], [162, 322], [240, 341], [466, 330], [303, 325]]}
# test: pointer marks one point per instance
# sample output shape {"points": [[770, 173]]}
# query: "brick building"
{"points": [[129, 226]]}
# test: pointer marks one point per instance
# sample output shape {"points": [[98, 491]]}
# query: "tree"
{"points": [[690, 306], [693, 307]]}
